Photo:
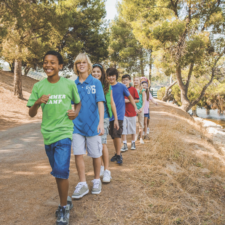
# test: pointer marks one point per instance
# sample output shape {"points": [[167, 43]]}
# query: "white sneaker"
{"points": [[148, 130], [97, 187], [141, 141], [80, 191], [102, 171], [107, 176]]}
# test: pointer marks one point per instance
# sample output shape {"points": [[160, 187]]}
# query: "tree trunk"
{"points": [[26, 70], [150, 67], [207, 111], [141, 63], [11, 65], [18, 78], [167, 92]]}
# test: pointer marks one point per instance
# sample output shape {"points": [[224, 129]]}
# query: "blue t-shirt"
{"points": [[106, 114], [119, 92], [91, 92]]}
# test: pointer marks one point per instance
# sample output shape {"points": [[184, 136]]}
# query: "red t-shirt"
{"points": [[130, 111]]}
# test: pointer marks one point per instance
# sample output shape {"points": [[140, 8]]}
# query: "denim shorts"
{"points": [[59, 157], [147, 115]]}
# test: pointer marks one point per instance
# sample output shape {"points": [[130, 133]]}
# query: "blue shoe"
{"points": [[114, 158], [119, 159]]}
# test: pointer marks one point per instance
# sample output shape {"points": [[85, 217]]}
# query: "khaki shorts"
{"points": [[92, 144], [106, 129], [141, 119]]}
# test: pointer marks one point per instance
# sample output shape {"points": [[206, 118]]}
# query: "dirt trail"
{"points": [[177, 177]]}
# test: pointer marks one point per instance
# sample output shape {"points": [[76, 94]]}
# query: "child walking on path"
{"points": [[88, 126], [146, 107], [119, 92], [140, 107], [109, 109], [129, 122], [54, 95]]}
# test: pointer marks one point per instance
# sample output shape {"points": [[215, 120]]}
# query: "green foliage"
{"points": [[161, 93]]}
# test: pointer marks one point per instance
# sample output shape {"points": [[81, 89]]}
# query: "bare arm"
{"points": [[113, 106], [72, 114], [132, 102], [34, 109], [135, 100], [143, 101], [154, 101], [101, 118]]}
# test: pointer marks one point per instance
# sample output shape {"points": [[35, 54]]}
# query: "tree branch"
{"points": [[166, 96], [189, 75], [210, 81]]}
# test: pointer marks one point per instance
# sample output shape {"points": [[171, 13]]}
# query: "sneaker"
{"points": [[147, 137], [124, 148], [102, 171], [133, 147], [69, 203], [148, 130], [119, 159], [113, 159], [141, 141], [80, 191], [63, 216], [107, 176], [97, 187]]}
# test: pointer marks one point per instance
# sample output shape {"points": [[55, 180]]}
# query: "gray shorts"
{"points": [[106, 129], [129, 125], [92, 144]]}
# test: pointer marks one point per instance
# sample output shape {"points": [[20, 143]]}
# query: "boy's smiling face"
{"points": [[112, 79], [126, 82], [82, 66], [51, 65]]}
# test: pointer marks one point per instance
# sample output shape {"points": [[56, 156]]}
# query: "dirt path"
{"points": [[168, 180]]}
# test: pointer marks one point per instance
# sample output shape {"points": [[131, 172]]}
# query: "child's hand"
{"points": [[72, 114], [116, 125], [140, 110], [42, 99], [101, 129]]}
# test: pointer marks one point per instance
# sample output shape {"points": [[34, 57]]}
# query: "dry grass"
{"points": [[178, 184]]}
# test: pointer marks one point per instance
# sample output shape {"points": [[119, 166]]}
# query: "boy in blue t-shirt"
{"points": [[88, 126], [119, 92]]}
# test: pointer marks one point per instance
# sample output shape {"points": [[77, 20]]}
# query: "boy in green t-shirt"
{"points": [[54, 94]]}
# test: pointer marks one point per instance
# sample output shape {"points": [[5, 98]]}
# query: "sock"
{"points": [[96, 180], [133, 141], [84, 183], [102, 167], [124, 142]]}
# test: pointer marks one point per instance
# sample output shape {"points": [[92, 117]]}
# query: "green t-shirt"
{"points": [[56, 124]]}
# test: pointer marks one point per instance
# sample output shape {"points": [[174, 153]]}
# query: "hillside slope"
{"points": [[13, 110]]}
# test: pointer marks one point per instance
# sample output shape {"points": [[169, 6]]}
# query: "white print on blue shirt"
{"points": [[91, 89]]}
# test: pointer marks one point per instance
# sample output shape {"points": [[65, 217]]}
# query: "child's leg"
{"points": [[124, 138], [63, 188], [97, 167], [133, 137], [117, 145], [79, 161], [105, 156], [145, 124]]}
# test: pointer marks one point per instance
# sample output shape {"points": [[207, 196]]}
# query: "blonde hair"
{"points": [[80, 58], [140, 88]]}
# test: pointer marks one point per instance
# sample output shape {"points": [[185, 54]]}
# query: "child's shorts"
{"points": [[106, 129], [59, 158], [92, 144], [141, 119], [129, 125], [114, 133], [147, 115]]}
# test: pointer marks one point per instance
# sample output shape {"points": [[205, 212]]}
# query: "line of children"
{"points": [[110, 109], [129, 122], [101, 105], [140, 106]]}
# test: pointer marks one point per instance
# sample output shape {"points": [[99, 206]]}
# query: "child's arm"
{"points": [[133, 103], [33, 109], [143, 103], [113, 106], [72, 114], [101, 118], [154, 101], [135, 100]]}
